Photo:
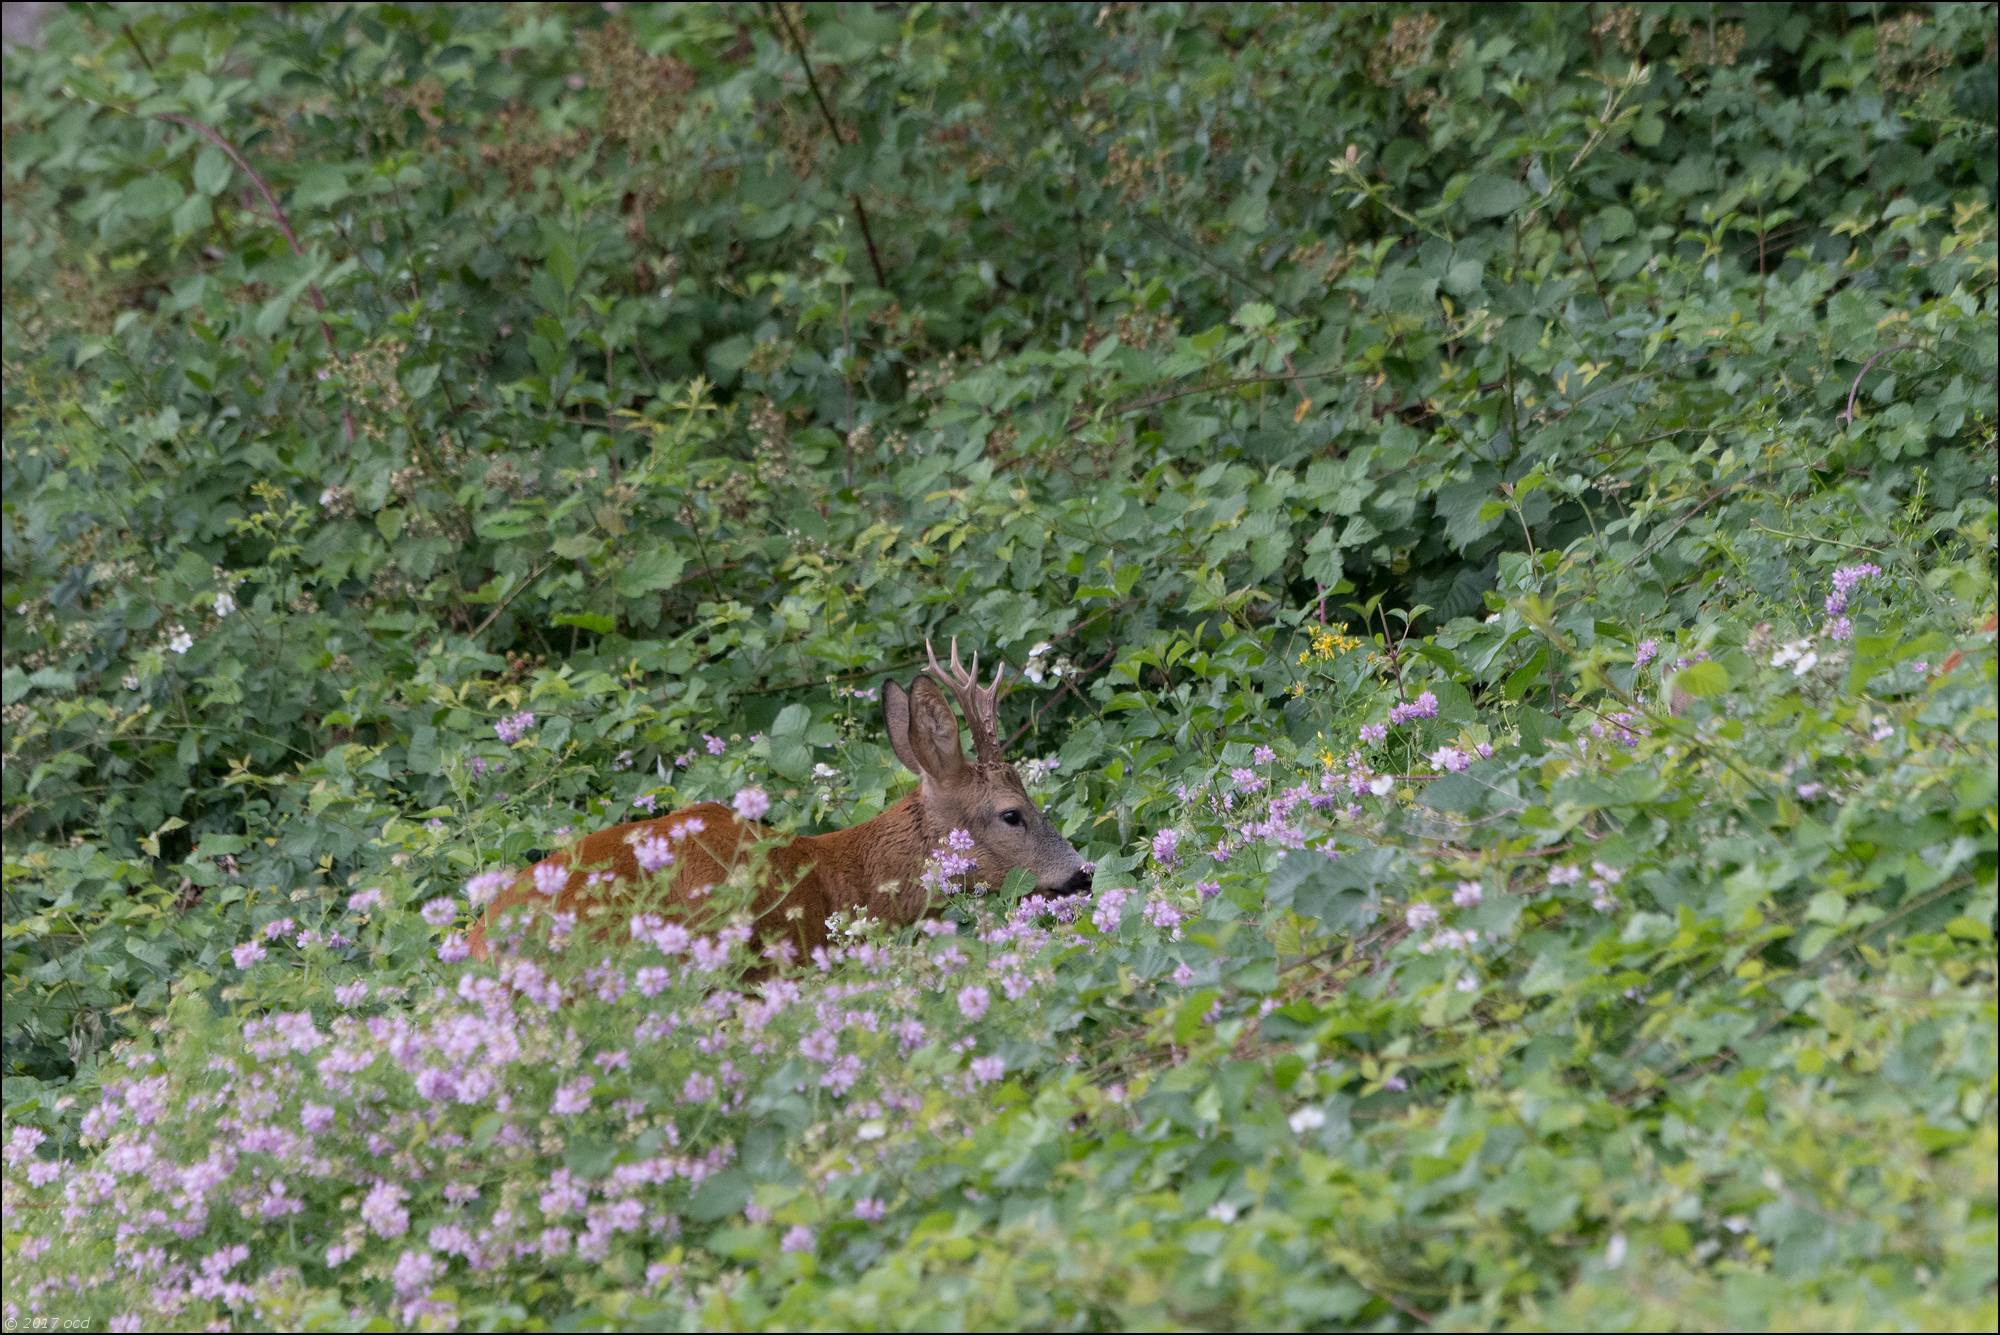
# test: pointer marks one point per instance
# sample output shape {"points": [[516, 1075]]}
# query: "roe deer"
{"points": [[876, 866]]}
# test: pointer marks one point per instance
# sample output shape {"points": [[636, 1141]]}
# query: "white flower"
{"points": [[181, 642], [1796, 651], [1614, 1253], [1222, 1212], [1041, 648], [224, 604], [1307, 1119], [824, 771], [1451, 938], [328, 496], [1381, 785]]}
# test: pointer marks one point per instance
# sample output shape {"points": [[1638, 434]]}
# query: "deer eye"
{"points": [[1011, 816]]}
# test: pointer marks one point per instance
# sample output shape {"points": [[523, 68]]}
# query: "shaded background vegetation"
{"points": [[671, 371]]}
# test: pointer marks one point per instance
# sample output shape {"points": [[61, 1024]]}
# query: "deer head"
{"points": [[983, 796]]}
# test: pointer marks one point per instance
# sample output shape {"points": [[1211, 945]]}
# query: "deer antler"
{"points": [[981, 705]]}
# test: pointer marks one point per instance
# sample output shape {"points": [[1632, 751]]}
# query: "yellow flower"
{"points": [[1328, 641]]}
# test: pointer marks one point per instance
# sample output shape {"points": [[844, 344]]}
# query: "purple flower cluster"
{"points": [[1624, 727], [514, 727], [1844, 581], [379, 1112], [751, 803], [945, 872], [1424, 706], [653, 854], [1164, 914], [1450, 759], [1110, 910], [482, 889], [422, 1137]]}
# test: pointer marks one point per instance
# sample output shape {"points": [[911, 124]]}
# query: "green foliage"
{"points": [[376, 374]]}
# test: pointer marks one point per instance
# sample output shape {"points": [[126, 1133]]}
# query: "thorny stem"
{"points": [[777, 14], [1852, 390], [278, 217]]}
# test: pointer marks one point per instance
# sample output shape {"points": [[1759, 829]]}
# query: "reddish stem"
{"points": [[284, 224]]}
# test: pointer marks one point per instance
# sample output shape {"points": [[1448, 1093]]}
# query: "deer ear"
{"points": [[896, 718], [933, 733]]}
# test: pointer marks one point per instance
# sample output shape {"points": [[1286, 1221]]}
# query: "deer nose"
{"points": [[1079, 883]]}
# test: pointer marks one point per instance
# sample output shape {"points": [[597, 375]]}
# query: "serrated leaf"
{"points": [[649, 572]]}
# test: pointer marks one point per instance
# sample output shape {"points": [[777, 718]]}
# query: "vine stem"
{"points": [[777, 13], [1215, 387], [1067, 688], [284, 225], [1855, 388]]}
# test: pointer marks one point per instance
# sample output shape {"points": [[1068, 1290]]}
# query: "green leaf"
{"points": [[505, 524], [422, 756], [649, 572], [212, 171], [193, 215], [1493, 196], [718, 1197], [1255, 315], [729, 356], [1191, 1018], [1704, 679], [1463, 278], [320, 185], [152, 196], [1453, 792]]}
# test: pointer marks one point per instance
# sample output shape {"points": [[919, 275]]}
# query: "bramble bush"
{"points": [[1494, 509]]}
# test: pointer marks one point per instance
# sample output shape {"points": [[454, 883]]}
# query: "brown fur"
{"points": [[871, 866], [874, 866]]}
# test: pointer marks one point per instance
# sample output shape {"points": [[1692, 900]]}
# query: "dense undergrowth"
{"points": [[1495, 506]]}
